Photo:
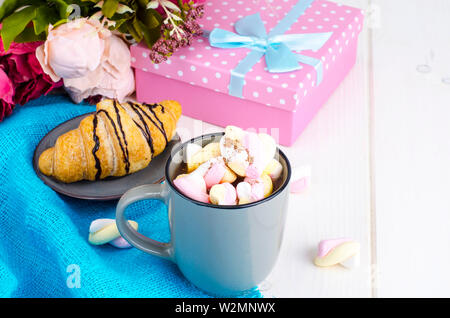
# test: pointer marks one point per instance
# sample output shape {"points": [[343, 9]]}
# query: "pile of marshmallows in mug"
{"points": [[212, 169]]}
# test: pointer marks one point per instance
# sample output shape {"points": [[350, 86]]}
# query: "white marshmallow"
{"points": [[244, 192], [352, 262], [190, 150], [273, 169], [269, 147]]}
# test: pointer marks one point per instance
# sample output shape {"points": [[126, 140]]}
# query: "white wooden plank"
{"points": [[411, 113], [335, 146]]}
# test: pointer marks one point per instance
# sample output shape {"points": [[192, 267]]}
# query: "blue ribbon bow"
{"points": [[277, 47]]}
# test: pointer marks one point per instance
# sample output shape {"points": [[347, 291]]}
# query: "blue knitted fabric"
{"points": [[44, 250]]}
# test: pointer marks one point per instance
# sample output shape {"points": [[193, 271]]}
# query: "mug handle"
{"points": [[148, 191]]}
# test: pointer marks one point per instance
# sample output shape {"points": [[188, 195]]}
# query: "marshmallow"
{"points": [[204, 167], [268, 185], [269, 148], [233, 151], [235, 155], [223, 194], [273, 169], [211, 150], [338, 251], [193, 186], [254, 147], [247, 153], [104, 231], [244, 192], [352, 262], [229, 176], [190, 150], [264, 182], [234, 133], [301, 179], [251, 190], [238, 167], [215, 174]]}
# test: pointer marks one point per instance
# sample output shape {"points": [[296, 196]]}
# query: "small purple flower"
{"points": [[166, 46]]}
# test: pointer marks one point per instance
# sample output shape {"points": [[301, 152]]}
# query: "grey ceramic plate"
{"points": [[107, 189]]}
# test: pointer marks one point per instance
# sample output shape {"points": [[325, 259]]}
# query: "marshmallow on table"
{"points": [[341, 251], [300, 179], [104, 231]]}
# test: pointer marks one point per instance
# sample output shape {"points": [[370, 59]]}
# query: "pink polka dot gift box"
{"points": [[267, 65]]}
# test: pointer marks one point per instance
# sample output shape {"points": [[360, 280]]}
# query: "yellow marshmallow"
{"points": [[210, 151], [222, 194], [273, 169], [268, 185], [234, 133], [338, 254], [244, 201], [229, 176], [237, 167], [107, 233]]}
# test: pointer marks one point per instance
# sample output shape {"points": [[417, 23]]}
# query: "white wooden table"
{"points": [[379, 153]]}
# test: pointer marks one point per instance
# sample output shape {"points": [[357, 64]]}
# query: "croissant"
{"points": [[119, 139]]}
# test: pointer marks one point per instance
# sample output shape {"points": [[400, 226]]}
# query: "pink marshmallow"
{"points": [[120, 243], [254, 146], [215, 174], [230, 194], [257, 188], [299, 185], [326, 246], [193, 186], [254, 171], [223, 194]]}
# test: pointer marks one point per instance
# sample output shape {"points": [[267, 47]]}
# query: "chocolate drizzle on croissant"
{"points": [[121, 145], [161, 127], [117, 140], [145, 130], [126, 158], [98, 166]]}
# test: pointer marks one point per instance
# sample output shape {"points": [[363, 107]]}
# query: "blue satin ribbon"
{"points": [[277, 47]]}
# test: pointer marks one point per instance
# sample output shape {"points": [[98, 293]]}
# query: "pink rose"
{"points": [[6, 95], [89, 58], [21, 76], [73, 49]]}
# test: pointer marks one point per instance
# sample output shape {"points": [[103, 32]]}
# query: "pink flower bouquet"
{"points": [[21, 76], [84, 45]]}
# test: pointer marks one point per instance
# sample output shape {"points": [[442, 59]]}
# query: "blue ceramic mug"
{"points": [[224, 250]]}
